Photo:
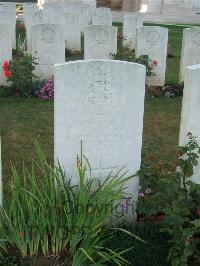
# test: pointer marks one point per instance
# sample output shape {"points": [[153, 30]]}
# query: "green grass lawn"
{"points": [[23, 121]]}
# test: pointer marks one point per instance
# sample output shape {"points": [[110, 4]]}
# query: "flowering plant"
{"points": [[47, 91], [176, 200], [20, 72], [127, 54]]}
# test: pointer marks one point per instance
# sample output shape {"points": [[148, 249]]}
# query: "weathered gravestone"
{"points": [[48, 46], [94, 103], [32, 16], [5, 49], [190, 54], [190, 115], [131, 22], [100, 42], [102, 16], [177, 6], [72, 30], [155, 6], [131, 5], [8, 16], [52, 14], [84, 12], [152, 41]]}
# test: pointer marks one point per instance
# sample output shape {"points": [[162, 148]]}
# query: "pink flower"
{"points": [[154, 63], [47, 91], [141, 194]]}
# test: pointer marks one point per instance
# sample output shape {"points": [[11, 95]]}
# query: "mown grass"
{"points": [[23, 121]]}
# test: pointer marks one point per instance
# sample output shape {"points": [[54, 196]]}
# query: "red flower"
{"points": [[7, 73], [6, 66], [155, 63]]}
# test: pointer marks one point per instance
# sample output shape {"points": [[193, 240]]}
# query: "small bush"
{"points": [[125, 54], [173, 197], [169, 91], [20, 73]]}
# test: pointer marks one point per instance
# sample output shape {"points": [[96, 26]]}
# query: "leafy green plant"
{"points": [[48, 216], [125, 54], [21, 75], [177, 198], [21, 44]]}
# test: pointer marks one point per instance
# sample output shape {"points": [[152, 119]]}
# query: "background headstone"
{"points": [[93, 103], [155, 6], [177, 6], [72, 31], [190, 115], [190, 54], [100, 42], [52, 14], [5, 49], [152, 41], [131, 22], [32, 16], [83, 10], [102, 16], [48, 45], [8, 16], [131, 5]]}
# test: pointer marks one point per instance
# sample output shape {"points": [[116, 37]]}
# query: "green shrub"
{"points": [[174, 195], [125, 54], [48, 216], [23, 80]]}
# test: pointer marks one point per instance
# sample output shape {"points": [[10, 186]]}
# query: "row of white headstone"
{"points": [[100, 39]]}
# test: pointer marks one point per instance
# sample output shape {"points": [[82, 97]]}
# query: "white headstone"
{"points": [[93, 103], [177, 6], [155, 6], [190, 54], [8, 16], [152, 41], [52, 14], [131, 5], [84, 12], [190, 118], [5, 49], [32, 16], [72, 31], [27, 9], [131, 22], [48, 45], [100, 42], [102, 16]]}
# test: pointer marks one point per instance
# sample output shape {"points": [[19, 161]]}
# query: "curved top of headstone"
{"points": [[109, 62]]}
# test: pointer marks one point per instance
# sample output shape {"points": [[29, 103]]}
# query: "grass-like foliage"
{"points": [[48, 216]]}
